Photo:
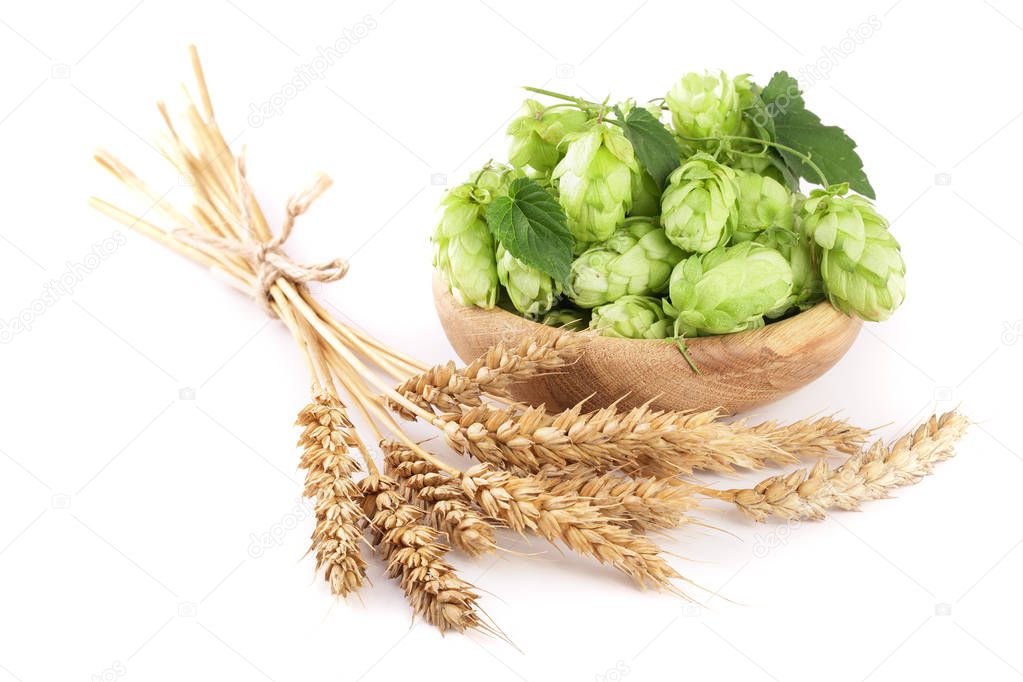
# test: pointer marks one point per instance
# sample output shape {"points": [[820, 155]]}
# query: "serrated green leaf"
{"points": [[654, 145], [827, 146], [759, 116], [531, 225]]}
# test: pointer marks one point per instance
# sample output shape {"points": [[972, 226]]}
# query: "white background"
{"points": [[129, 513]]}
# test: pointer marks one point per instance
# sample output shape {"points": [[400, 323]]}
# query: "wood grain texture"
{"points": [[738, 371]]}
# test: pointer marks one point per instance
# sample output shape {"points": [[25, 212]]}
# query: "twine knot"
{"points": [[267, 258]]}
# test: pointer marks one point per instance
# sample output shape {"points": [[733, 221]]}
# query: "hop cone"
{"points": [[637, 259], [807, 287], [463, 245], [632, 317], [537, 133], [595, 182], [531, 292], [861, 263], [707, 105], [728, 289], [699, 209], [763, 203]]}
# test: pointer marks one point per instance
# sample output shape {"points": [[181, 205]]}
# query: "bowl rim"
{"points": [[820, 315]]}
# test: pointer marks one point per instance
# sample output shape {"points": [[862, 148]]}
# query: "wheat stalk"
{"points": [[326, 439], [868, 475], [449, 509]]}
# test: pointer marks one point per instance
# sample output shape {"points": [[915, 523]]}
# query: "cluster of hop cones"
{"points": [[599, 482]]}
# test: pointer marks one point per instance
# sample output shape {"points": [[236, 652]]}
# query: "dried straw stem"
{"points": [[524, 504], [449, 509], [867, 475], [326, 439], [415, 557]]}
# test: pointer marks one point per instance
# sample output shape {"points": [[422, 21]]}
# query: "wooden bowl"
{"points": [[738, 371]]}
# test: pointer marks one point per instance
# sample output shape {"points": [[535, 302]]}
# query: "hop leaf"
{"points": [[530, 224], [655, 147], [827, 146]]}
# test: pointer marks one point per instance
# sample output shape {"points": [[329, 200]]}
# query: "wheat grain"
{"points": [[640, 441], [811, 438], [447, 387], [326, 439], [416, 559], [867, 475], [644, 503], [524, 504], [449, 509]]}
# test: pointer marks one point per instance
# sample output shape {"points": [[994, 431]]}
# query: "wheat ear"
{"points": [[641, 441], [644, 503], [523, 504], [867, 475], [415, 558], [447, 387], [326, 439], [449, 509], [810, 438]]}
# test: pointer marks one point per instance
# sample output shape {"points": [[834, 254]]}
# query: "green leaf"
{"points": [[758, 114], [797, 127], [530, 223], [654, 145]]}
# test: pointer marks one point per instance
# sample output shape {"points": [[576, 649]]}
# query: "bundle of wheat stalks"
{"points": [[597, 482]]}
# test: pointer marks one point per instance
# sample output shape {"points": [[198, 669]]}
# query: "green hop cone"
{"points": [[537, 133], [532, 292], [861, 263], [632, 317], [463, 246], [807, 287], [707, 105], [728, 289], [761, 164], [763, 203], [571, 319], [595, 181], [637, 259], [699, 209]]}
